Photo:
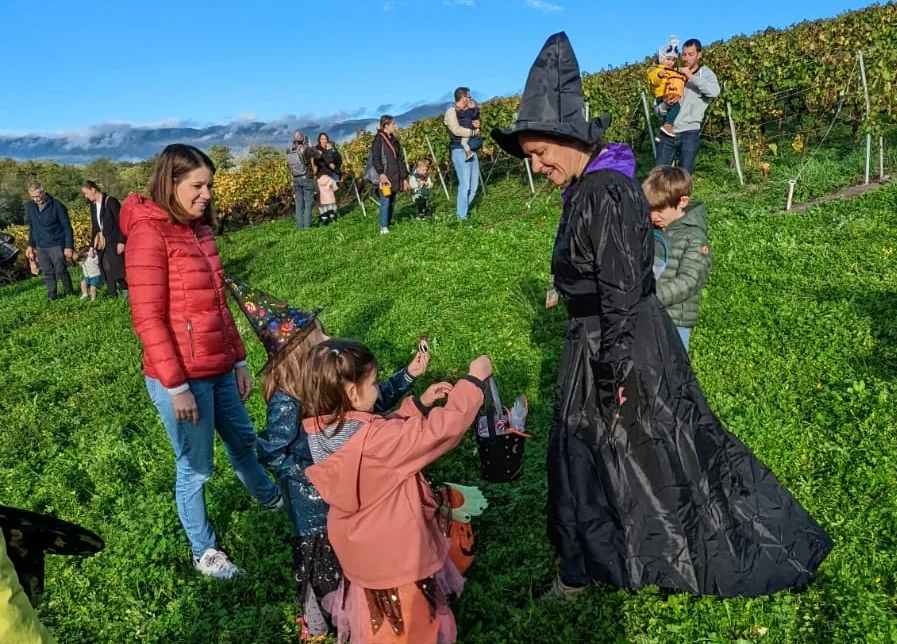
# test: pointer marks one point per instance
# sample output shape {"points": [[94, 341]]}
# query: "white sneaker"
{"points": [[384, 231], [214, 563]]}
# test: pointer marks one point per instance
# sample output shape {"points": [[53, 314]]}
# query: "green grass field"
{"points": [[796, 352]]}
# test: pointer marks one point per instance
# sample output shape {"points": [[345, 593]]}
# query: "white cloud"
{"points": [[547, 7], [248, 116]]}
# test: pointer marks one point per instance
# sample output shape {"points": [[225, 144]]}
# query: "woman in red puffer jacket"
{"points": [[193, 358]]}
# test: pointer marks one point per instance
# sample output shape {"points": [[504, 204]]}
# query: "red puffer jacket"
{"points": [[178, 303]]}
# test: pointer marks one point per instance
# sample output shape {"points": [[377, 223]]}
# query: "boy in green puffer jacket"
{"points": [[682, 225]]}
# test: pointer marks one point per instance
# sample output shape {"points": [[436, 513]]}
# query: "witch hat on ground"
{"points": [[30, 536], [552, 100], [278, 325]]}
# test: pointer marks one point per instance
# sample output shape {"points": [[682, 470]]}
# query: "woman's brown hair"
{"points": [[285, 373], [176, 162], [323, 378], [91, 185], [385, 120]]}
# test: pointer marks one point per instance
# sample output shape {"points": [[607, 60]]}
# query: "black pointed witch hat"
{"points": [[28, 537], [552, 100]]}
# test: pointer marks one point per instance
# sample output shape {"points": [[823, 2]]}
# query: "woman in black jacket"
{"points": [[645, 485], [386, 153], [107, 237], [328, 166]]}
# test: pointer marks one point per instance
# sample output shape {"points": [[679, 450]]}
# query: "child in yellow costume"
{"points": [[667, 83]]}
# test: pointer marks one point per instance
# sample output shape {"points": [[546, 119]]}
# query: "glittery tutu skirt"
{"points": [[415, 613]]}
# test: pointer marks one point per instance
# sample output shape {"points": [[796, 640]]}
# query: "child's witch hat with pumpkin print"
{"points": [[279, 326]]}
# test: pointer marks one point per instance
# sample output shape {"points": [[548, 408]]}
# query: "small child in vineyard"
{"points": [[383, 521], [421, 184], [288, 335], [666, 82], [90, 273], [466, 118], [683, 226]]}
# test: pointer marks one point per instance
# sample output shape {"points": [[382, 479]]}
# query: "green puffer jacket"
{"points": [[679, 286]]}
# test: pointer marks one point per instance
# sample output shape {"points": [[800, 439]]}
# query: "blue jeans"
{"points": [[387, 205], [672, 111], [686, 144], [304, 193], [685, 334], [468, 173], [221, 409]]}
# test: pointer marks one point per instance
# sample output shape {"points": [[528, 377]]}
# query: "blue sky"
{"points": [[68, 64]]}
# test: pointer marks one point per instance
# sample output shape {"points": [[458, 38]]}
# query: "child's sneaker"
{"points": [[276, 505], [667, 129], [384, 231], [468, 156], [214, 563], [84, 296]]}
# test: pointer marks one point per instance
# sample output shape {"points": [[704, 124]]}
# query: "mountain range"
{"points": [[123, 142]]}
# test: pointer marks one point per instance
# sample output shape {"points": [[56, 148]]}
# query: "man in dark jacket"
{"points": [[107, 237], [50, 234]]}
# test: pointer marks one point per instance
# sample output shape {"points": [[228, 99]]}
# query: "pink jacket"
{"points": [[382, 519]]}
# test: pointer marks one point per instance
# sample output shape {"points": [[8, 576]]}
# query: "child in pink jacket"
{"points": [[383, 518]]}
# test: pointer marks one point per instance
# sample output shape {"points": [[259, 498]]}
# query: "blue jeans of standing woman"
{"points": [[221, 410], [468, 173], [387, 206]]}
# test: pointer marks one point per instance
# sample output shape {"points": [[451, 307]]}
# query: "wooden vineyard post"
{"points": [[734, 142], [438, 169], [650, 125]]}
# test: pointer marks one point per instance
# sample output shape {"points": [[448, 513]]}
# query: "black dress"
{"points": [[645, 484]]}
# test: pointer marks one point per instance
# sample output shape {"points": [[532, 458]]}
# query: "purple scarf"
{"points": [[614, 156]]}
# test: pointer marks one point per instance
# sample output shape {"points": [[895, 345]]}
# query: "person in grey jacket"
{"points": [[300, 156], [701, 87], [50, 234], [682, 245]]}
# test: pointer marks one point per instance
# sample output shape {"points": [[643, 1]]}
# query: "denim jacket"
{"points": [[283, 450]]}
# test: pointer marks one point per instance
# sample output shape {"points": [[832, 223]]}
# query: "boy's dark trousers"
{"points": [[421, 203]]}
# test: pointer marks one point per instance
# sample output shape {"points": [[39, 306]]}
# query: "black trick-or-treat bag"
{"points": [[501, 436]]}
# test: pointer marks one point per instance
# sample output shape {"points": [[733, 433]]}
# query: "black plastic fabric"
{"points": [[646, 486]]}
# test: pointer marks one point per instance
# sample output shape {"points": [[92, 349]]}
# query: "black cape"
{"points": [[645, 484]]}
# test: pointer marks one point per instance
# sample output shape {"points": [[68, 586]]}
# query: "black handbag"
{"points": [[501, 454], [8, 250]]}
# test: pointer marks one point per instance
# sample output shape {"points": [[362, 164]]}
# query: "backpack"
{"points": [[297, 162], [370, 172]]}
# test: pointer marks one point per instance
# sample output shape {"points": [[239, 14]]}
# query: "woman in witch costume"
{"points": [[645, 485], [288, 334]]}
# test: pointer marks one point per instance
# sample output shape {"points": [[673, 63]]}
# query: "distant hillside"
{"points": [[120, 142]]}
